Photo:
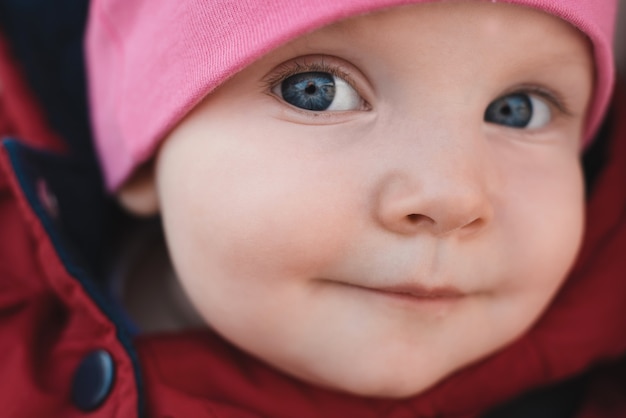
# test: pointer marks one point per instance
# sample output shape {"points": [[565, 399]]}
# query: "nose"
{"points": [[440, 194]]}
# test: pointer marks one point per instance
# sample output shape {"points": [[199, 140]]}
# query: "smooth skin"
{"points": [[378, 248]]}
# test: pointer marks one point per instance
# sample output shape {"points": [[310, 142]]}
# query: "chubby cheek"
{"points": [[545, 217], [245, 222]]}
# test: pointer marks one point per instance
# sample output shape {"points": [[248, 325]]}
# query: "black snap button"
{"points": [[93, 380]]}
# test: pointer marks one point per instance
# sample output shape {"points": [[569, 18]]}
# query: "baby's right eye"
{"points": [[318, 91], [519, 110]]}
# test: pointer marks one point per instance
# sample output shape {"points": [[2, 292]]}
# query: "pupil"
{"points": [[310, 89], [514, 110]]}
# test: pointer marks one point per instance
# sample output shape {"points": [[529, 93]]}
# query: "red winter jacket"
{"points": [[65, 351]]}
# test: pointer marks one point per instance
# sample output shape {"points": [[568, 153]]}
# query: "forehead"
{"points": [[452, 26]]}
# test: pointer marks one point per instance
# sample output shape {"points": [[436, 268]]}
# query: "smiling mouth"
{"points": [[417, 293], [422, 292]]}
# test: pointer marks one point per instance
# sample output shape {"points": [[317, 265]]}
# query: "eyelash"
{"points": [[287, 69], [553, 97]]}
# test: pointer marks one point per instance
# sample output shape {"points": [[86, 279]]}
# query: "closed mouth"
{"points": [[415, 292], [422, 292]]}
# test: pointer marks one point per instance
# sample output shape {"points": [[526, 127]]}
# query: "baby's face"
{"points": [[380, 203]]}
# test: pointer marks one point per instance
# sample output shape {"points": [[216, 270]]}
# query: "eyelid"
{"points": [[319, 63]]}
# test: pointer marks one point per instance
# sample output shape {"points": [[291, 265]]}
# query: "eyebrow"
{"points": [[558, 59]]}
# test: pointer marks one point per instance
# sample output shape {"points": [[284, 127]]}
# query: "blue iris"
{"points": [[310, 91], [514, 110]]}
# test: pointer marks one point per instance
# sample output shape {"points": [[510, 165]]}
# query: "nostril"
{"points": [[477, 223], [414, 217], [414, 220]]}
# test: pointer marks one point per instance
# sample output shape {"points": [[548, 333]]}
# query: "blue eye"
{"points": [[318, 91], [519, 110]]}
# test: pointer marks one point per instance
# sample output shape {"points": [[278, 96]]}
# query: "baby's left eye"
{"points": [[519, 110], [318, 91]]}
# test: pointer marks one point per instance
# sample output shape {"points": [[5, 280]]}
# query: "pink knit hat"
{"points": [[150, 61]]}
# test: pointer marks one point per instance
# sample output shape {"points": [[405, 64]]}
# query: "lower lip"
{"points": [[439, 303]]}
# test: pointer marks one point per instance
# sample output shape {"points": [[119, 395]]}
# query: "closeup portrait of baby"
{"points": [[329, 208]]}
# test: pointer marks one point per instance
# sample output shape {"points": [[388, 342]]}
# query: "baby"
{"points": [[368, 196]]}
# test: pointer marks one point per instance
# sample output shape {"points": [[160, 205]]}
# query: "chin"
{"points": [[390, 383], [395, 389]]}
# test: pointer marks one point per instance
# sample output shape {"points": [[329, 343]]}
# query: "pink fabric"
{"points": [[150, 61]]}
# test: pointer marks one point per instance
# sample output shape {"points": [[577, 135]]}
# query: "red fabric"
{"points": [[47, 321], [48, 324]]}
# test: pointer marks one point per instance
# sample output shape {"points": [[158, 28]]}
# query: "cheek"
{"points": [[545, 220], [557, 215], [243, 219]]}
